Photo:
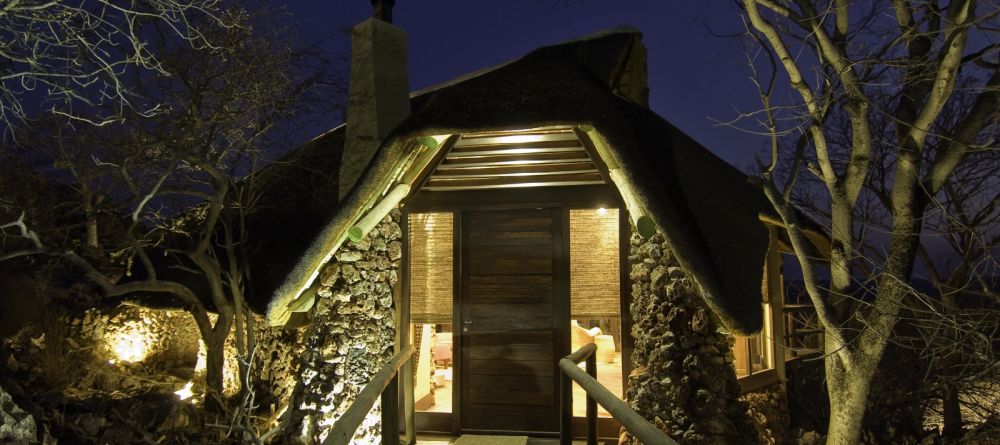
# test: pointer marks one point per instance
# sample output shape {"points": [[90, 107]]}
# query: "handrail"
{"points": [[625, 415], [344, 428]]}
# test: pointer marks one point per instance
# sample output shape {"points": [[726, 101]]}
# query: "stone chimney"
{"points": [[378, 97]]}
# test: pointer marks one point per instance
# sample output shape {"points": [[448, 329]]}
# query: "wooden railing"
{"points": [[635, 424], [384, 385], [803, 336]]}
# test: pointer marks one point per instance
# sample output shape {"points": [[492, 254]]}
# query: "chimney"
{"points": [[378, 97]]}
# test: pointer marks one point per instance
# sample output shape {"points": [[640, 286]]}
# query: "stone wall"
{"points": [[351, 335], [126, 334], [768, 410], [145, 340], [682, 379]]}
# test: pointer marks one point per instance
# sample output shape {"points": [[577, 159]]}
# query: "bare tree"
{"points": [[179, 180], [70, 58], [862, 64]]}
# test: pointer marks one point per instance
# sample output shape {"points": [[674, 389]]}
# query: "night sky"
{"points": [[694, 77]]}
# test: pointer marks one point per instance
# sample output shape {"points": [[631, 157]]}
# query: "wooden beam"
{"points": [[635, 424], [437, 183], [518, 159], [643, 224], [389, 202], [587, 196], [565, 134], [515, 170], [344, 429]]}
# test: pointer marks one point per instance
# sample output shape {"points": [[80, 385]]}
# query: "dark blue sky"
{"points": [[694, 77]]}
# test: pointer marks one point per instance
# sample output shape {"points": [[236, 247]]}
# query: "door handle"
{"points": [[465, 325]]}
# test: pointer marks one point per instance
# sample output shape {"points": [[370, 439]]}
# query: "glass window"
{"points": [[754, 354], [595, 297], [431, 240]]}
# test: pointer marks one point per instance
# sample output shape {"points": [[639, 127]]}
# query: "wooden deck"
{"points": [[445, 440]]}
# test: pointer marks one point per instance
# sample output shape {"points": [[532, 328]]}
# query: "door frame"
{"points": [[564, 198]]}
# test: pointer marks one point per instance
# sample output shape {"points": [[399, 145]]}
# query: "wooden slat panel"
{"points": [[485, 144], [514, 312], [512, 367], [492, 324], [517, 338], [514, 252], [512, 352], [528, 396], [513, 266], [509, 170], [485, 228], [511, 288], [497, 139], [525, 181], [515, 159], [511, 381], [535, 238]]}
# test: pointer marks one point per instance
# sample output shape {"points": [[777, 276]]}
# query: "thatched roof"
{"points": [[706, 208]]}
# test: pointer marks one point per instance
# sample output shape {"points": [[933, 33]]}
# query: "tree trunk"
{"points": [[952, 411], [215, 363], [848, 389]]}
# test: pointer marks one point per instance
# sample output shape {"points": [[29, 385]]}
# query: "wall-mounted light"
{"points": [[602, 211]]}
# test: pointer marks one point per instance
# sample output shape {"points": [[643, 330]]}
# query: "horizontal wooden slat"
{"points": [[511, 266], [493, 325], [485, 224], [527, 396], [519, 181], [515, 159], [514, 186], [517, 338], [534, 238], [533, 145], [520, 150], [512, 367], [513, 311], [511, 381], [516, 170], [512, 352], [514, 252], [495, 139]]}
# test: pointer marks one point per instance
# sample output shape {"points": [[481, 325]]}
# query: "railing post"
{"points": [[408, 403], [591, 403], [390, 412], [565, 410]]}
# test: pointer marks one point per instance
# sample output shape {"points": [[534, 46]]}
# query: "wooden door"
{"points": [[511, 279]]}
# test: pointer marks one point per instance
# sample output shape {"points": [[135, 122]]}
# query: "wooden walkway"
{"points": [[445, 440]]}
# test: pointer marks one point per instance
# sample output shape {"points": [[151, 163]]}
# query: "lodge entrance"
{"points": [[497, 292], [512, 285]]}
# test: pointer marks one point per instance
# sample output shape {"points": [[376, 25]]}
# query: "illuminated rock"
{"points": [[16, 425]]}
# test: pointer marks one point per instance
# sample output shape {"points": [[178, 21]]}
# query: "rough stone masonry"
{"points": [[351, 335], [682, 379]]}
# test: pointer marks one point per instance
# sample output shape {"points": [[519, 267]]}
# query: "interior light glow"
{"points": [[602, 211]]}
